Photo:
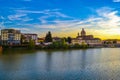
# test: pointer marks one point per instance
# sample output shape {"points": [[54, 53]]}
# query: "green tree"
{"points": [[84, 45], [63, 41], [22, 39], [31, 44], [58, 45], [48, 37], [76, 46]]}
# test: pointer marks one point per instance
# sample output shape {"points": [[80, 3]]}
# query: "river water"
{"points": [[87, 64]]}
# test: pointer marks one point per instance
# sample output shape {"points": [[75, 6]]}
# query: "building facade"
{"points": [[41, 40], [10, 37], [86, 39], [56, 39], [27, 37], [111, 43]]}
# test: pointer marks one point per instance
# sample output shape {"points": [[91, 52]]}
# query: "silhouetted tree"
{"points": [[69, 40], [48, 37], [114, 42]]}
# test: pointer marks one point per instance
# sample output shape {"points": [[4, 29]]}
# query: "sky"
{"points": [[63, 18]]}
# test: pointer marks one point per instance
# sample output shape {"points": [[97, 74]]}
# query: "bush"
{"points": [[31, 44]]}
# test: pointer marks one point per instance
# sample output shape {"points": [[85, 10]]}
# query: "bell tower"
{"points": [[83, 33]]}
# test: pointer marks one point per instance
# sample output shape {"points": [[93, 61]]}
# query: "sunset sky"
{"points": [[62, 17]]}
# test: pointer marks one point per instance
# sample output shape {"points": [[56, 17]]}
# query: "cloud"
{"points": [[44, 26], [29, 11], [27, 19], [109, 18], [116, 0], [2, 25], [1, 17], [20, 17], [22, 29], [52, 14], [24, 14], [43, 19], [106, 19], [16, 16], [47, 12], [59, 14], [27, 0]]}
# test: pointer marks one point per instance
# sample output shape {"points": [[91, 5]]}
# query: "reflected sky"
{"points": [[85, 64]]}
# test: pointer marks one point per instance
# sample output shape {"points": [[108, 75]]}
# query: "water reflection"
{"points": [[48, 61], [0, 53], [83, 59], [17, 51], [60, 65]]}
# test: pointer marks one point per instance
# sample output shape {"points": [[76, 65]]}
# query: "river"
{"points": [[87, 64]]}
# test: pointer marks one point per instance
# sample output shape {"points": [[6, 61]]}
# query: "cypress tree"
{"points": [[48, 37], [69, 40]]}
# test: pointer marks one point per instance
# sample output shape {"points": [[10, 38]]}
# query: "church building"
{"points": [[86, 39]]}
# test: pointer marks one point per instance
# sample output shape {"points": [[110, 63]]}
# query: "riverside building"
{"points": [[86, 39], [10, 37], [29, 36]]}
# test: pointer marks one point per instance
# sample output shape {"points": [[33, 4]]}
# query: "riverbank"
{"points": [[49, 47], [55, 47]]}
